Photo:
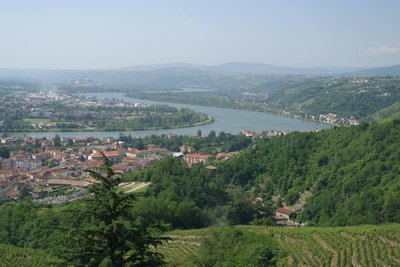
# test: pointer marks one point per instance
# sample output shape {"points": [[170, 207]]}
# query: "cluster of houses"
{"points": [[263, 134], [332, 118], [284, 217], [52, 167]]}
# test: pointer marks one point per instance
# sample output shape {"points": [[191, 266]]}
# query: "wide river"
{"points": [[227, 120]]}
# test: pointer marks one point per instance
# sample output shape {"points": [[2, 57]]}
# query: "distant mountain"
{"points": [[184, 74], [245, 68], [143, 67], [257, 68], [381, 71]]}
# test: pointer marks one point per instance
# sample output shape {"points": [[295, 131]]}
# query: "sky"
{"points": [[97, 34]]}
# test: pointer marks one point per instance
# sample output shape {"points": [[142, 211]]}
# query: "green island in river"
{"points": [[32, 112]]}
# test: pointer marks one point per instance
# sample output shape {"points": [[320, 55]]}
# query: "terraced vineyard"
{"points": [[181, 248], [11, 256], [334, 246]]}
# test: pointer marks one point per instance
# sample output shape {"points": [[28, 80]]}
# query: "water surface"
{"points": [[228, 120]]}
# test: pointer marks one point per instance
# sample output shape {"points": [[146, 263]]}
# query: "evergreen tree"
{"points": [[4, 152], [57, 140], [107, 233]]}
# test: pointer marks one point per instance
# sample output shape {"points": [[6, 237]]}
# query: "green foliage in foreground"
{"points": [[363, 245], [101, 229], [12, 256], [109, 234]]}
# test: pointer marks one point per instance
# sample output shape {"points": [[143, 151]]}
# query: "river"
{"points": [[228, 120]]}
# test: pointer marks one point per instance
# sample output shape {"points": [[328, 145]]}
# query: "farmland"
{"points": [[333, 246], [14, 256]]}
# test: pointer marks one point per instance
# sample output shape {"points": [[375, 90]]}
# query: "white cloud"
{"points": [[383, 50]]}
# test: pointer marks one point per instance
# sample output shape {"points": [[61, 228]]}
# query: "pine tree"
{"points": [[107, 233]]}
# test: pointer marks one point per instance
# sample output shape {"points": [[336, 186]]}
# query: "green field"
{"points": [[309, 246], [137, 187]]}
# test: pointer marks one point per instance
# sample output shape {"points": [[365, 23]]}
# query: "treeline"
{"points": [[181, 118], [213, 143]]}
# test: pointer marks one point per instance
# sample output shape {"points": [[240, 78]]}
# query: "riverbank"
{"points": [[225, 120], [173, 98]]}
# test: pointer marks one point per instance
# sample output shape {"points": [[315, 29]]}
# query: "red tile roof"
{"points": [[285, 211], [107, 154]]}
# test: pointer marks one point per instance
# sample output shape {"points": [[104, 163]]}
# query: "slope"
{"points": [[333, 246]]}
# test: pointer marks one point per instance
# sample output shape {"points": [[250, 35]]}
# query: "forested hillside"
{"points": [[352, 172], [351, 175], [358, 97]]}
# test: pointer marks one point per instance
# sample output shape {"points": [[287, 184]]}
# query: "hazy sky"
{"points": [[110, 34]]}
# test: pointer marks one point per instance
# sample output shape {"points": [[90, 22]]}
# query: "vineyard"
{"points": [[11, 256], [340, 246]]}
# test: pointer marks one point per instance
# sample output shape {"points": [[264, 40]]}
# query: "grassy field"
{"points": [[309, 246]]}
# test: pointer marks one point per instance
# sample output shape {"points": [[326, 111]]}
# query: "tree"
{"points": [[57, 140], [233, 247], [198, 132], [212, 135], [70, 142], [108, 233], [4, 152], [139, 144]]}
